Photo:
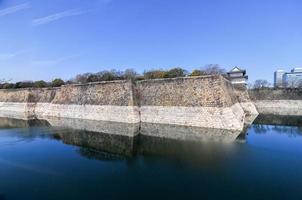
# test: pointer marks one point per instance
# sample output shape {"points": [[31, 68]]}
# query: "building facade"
{"points": [[278, 78], [237, 76], [292, 79]]}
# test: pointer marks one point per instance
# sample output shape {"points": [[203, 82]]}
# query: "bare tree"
{"points": [[82, 78], [300, 84], [261, 84], [3, 81], [130, 74], [214, 69]]}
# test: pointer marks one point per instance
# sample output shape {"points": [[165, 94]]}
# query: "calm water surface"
{"points": [[41, 162]]}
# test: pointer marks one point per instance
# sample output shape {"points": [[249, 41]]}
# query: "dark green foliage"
{"points": [[111, 75], [40, 84], [57, 82], [25, 84], [7, 86], [175, 72]]}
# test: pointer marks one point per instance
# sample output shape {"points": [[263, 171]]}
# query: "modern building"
{"points": [[292, 79], [278, 78], [237, 76]]}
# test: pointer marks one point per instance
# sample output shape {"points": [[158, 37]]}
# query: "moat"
{"points": [[38, 161]]}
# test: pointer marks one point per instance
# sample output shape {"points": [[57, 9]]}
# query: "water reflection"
{"points": [[92, 141], [108, 140], [115, 141], [279, 120], [188, 133], [99, 163], [289, 125]]}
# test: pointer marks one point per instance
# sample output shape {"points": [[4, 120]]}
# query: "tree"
{"points": [[82, 78], [214, 69], [8, 86], [24, 84], [40, 84], [261, 84], [57, 82], [198, 72], [154, 74], [175, 72], [130, 74], [300, 84]]}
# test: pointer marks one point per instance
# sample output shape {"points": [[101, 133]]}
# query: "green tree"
{"points": [[175, 72], [40, 84], [57, 82], [24, 84], [198, 72], [154, 74]]}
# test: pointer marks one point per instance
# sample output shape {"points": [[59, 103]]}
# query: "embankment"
{"points": [[106, 101], [277, 101], [208, 101]]}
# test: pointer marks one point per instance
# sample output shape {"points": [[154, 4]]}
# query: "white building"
{"points": [[237, 76], [278, 78], [291, 79]]}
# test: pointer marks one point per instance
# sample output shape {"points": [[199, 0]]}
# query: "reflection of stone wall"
{"points": [[186, 133], [112, 128], [279, 120], [115, 144], [207, 101]]}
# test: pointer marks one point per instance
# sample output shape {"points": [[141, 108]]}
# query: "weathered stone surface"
{"points": [[230, 118], [207, 101], [280, 107], [278, 101], [275, 94], [206, 91]]}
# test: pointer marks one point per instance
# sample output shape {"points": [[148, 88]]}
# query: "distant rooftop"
{"points": [[297, 69]]}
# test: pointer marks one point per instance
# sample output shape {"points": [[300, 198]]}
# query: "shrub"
{"points": [[24, 84], [57, 82], [40, 84], [153, 74], [198, 72], [175, 72]]}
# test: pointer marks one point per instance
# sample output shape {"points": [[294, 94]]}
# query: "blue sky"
{"points": [[61, 38]]}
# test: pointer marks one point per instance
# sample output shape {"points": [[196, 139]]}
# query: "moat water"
{"points": [[42, 162]]}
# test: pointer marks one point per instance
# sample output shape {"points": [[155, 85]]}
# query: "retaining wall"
{"points": [[207, 101], [278, 101]]}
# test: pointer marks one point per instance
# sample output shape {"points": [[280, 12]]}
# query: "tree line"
{"points": [[111, 75]]}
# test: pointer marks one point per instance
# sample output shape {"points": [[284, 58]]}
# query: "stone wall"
{"points": [[278, 101], [275, 94], [104, 101], [205, 91], [208, 101], [245, 101]]}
